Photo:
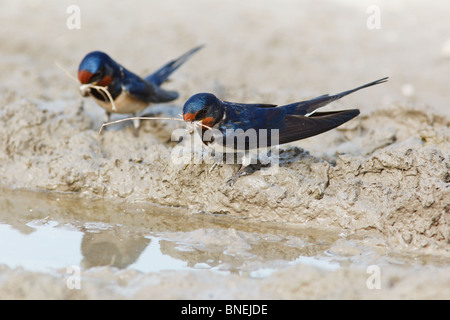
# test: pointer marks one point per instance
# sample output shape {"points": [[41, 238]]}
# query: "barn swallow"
{"points": [[290, 122], [129, 92]]}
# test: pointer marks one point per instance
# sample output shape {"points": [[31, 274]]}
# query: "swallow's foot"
{"points": [[216, 164], [232, 180]]}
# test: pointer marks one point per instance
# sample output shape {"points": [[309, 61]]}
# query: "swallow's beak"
{"points": [[189, 118], [190, 127]]}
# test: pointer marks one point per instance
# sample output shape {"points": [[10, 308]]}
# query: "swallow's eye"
{"points": [[201, 114], [96, 76]]}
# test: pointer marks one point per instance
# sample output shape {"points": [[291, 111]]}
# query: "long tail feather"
{"points": [[306, 107], [162, 74]]}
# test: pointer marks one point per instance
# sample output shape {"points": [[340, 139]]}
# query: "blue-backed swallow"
{"points": [[129, 92], [290, 122]]}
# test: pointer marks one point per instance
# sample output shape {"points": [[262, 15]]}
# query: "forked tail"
{"points": [[161, 75]]}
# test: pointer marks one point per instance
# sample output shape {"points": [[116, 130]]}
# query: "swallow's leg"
{"points": [[108, 117], [136, 125], [218, 160], [232, 180], [246, 161], [215, 164]]}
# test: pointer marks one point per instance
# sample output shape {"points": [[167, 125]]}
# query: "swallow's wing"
{"points": [[264, 124], [145, 91], [248, 116], [245, 128], [300, 127], [250, 105], [162, 95], [138, 88], [306, 107]]}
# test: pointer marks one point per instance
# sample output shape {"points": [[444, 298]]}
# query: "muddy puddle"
{"points": [[44, 232]]}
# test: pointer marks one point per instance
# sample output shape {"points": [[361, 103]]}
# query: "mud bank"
{"points": [[378, 174], [235, 258], [300, 282]]}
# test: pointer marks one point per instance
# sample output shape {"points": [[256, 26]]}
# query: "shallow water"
{"points": [[54, 232], [45, 231]]}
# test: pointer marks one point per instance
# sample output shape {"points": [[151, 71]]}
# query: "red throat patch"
{"points": [[84, 76], [106, 80], [189, 117], [208, 121]]}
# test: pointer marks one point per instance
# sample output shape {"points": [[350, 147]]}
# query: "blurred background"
{"points": [[274, 51]]}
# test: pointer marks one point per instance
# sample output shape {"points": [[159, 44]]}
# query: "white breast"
{"points": [[124, 103]]}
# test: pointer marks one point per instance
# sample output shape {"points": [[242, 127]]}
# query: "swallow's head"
{"points": [[97, 68], [204, 107]]}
